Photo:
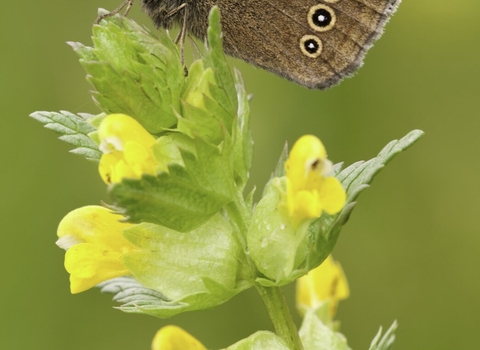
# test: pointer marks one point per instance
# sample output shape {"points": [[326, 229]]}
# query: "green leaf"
{"points": [[203, 123], [137, 299], [243, 144], [261, 340], [316, 335], [215, 58], [385, 342], [168, 149], [74, 130], [185, 197], [134, 73], [280, 168], [181, 265], [222, 110], [355, 179]]}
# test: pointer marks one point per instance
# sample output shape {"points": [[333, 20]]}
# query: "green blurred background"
{"points": [[410, 251]]}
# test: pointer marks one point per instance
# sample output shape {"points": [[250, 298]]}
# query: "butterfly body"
{"points": [[315, 43]]}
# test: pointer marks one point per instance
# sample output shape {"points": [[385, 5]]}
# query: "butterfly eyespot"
{"points": [[311, 46], [321, 18]]}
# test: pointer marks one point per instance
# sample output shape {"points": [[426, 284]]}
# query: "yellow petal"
{"points": [[116, 129], [140, 159], [175, 338], [89, 265], [94, 242], [305, 205], [113, 169], [127, 149], [309, 190], [305, 154], [324, 283], [97, 225], [332, 195]]}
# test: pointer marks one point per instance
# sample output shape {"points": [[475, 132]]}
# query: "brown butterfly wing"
{"points": [[269, 34]]}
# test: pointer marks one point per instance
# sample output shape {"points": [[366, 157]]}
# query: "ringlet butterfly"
{"points": [[315, 43]]}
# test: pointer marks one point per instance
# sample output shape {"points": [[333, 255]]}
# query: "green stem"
{"points": [[272, 296], [239, 214], [280, 316]]}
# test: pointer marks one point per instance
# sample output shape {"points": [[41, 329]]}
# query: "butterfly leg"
{"points": [[180, 39], [127, 3]]}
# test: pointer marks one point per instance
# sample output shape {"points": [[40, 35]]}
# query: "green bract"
{"points": [[316, 335], [134, 73], [184, 197], [198, 269], [260, 341], [275, 246]]}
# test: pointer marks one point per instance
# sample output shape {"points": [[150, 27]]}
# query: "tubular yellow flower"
{"points": [[92, 237], [126, 147], [309, 190], [175, 338], [324, 283]]}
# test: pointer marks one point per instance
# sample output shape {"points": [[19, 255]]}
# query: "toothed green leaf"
{"points": [[355, 179], [316, 335], [261, 340], [73, 129], [134, 73], [243, 146], [386, 341], [185, 197], [215, 58]]}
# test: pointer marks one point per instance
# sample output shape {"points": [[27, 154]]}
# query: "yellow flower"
{"points": [[175, 338], [310, 190], [92, 237], [127, 149], [324, 283]]}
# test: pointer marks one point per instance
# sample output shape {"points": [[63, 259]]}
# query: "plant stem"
{"points": [[280, 315], [239, 214]]}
